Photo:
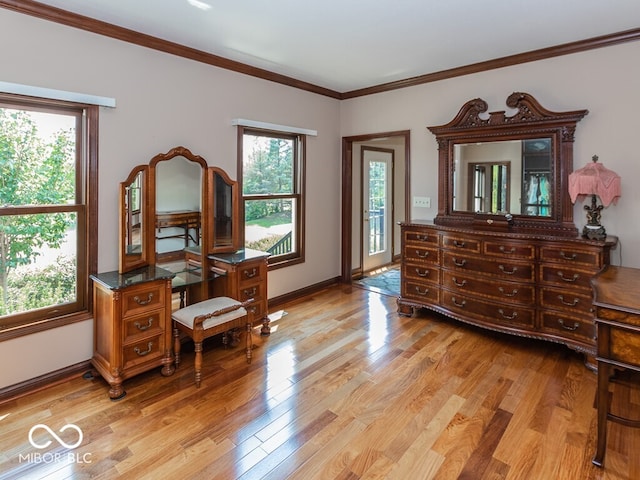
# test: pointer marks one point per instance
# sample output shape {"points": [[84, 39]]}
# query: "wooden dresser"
{"points": [[529, 285], [132, 332], [617, 304]]}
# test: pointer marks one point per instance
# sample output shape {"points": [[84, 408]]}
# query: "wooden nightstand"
{"points": [[617, 305]]}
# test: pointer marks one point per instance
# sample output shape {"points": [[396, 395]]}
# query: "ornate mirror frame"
{"points": [[530, 121]]}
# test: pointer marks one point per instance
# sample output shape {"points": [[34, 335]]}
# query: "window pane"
{"points": [[269, 225], [37, 163], [38, 255], [267, 165]]}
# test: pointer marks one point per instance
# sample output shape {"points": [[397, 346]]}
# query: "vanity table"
{"points": [[617, 304], [503, 252], [132, 306]]}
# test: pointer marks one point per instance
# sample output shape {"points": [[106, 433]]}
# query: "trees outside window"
{"points": [[44, 215], [271, 168]]}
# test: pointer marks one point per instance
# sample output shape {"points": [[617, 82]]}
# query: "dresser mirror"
{"points": [[514, 165], [175, 204]]}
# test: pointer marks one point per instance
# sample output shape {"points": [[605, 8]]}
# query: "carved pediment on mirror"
{"points": [[174, 205], [514, 164]]}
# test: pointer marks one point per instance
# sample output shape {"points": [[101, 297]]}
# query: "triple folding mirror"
{"points": [[515, 165], [174, 204]]}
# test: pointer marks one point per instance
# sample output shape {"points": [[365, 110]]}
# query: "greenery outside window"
{"points": [[271, 169], [47, 214]]}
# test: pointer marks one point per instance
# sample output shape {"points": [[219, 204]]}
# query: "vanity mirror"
{"points": [[175, 204], [507, 164]]}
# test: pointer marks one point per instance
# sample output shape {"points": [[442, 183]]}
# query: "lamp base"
{"points": [[594, 232]]}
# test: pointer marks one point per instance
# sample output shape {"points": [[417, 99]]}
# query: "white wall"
{"points": [[165, 101], [604, 81]]}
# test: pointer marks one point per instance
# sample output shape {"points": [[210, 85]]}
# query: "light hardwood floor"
{"points": [[344, 388]]}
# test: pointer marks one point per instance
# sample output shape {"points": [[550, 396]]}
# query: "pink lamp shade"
{"points": [[595, 179]]}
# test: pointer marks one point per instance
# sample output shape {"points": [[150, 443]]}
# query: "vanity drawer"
{"points": [[425, 237], [252, 273], [461, 243], [505, 270], [504, 291], [618, 315], [143, 351], [509, 249], [145, 324], [570, 255], [489, 312], [422, 254], [569, 326], [144, 298]]}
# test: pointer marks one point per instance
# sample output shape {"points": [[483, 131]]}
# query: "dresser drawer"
{"points": [[566, 276], [146, 298], [421, 272], [624, 346], [566, 299], [495, 313], [143, 351], [421, 253], [568, 326], [146, 324], [509, 249], [504, 270], [571, 256], [421, 292], [427, 237], [501, 290], [461, 243]]}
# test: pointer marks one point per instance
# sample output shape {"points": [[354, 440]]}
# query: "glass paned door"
{"points": [[377, 208]]}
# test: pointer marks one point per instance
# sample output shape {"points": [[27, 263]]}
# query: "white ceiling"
{"points": [[345, 45]]}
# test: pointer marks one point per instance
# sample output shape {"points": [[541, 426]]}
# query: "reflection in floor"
{"points": [[385, 280]]}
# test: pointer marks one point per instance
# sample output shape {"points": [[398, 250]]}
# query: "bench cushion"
{"points": [[187, 315]]}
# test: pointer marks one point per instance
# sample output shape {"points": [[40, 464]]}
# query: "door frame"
{"points": [[347, 192]]}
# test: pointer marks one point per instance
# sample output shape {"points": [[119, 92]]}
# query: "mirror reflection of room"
{"points": [[178, 207], [134, 220]]}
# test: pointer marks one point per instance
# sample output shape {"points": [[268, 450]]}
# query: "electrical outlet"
{"points": [[424, 202]]}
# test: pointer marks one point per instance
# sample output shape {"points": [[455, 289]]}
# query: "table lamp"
{"points": [[595, 180]]}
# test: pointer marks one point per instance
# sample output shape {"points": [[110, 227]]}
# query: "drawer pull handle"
{"points": [[458, 304], [422, 238], [250, 292], [571, 304], [142, 353], [508, 317], [568, 257], [421, 254], [571, 328], [503, 269], [142, 328], [458, 244], [504, 250], [507, 294], [421, 292], [459, 284], [459, 263], [422, 273], [139, 301], [251, 274], [575, 277]]}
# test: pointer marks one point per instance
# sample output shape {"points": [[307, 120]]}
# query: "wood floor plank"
{"points": [[344, 388]]}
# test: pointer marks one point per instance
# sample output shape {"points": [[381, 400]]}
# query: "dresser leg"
{"points": [[405, 310]]}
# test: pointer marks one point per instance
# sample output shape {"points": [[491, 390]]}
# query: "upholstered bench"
{"points": [[212, 317]]}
